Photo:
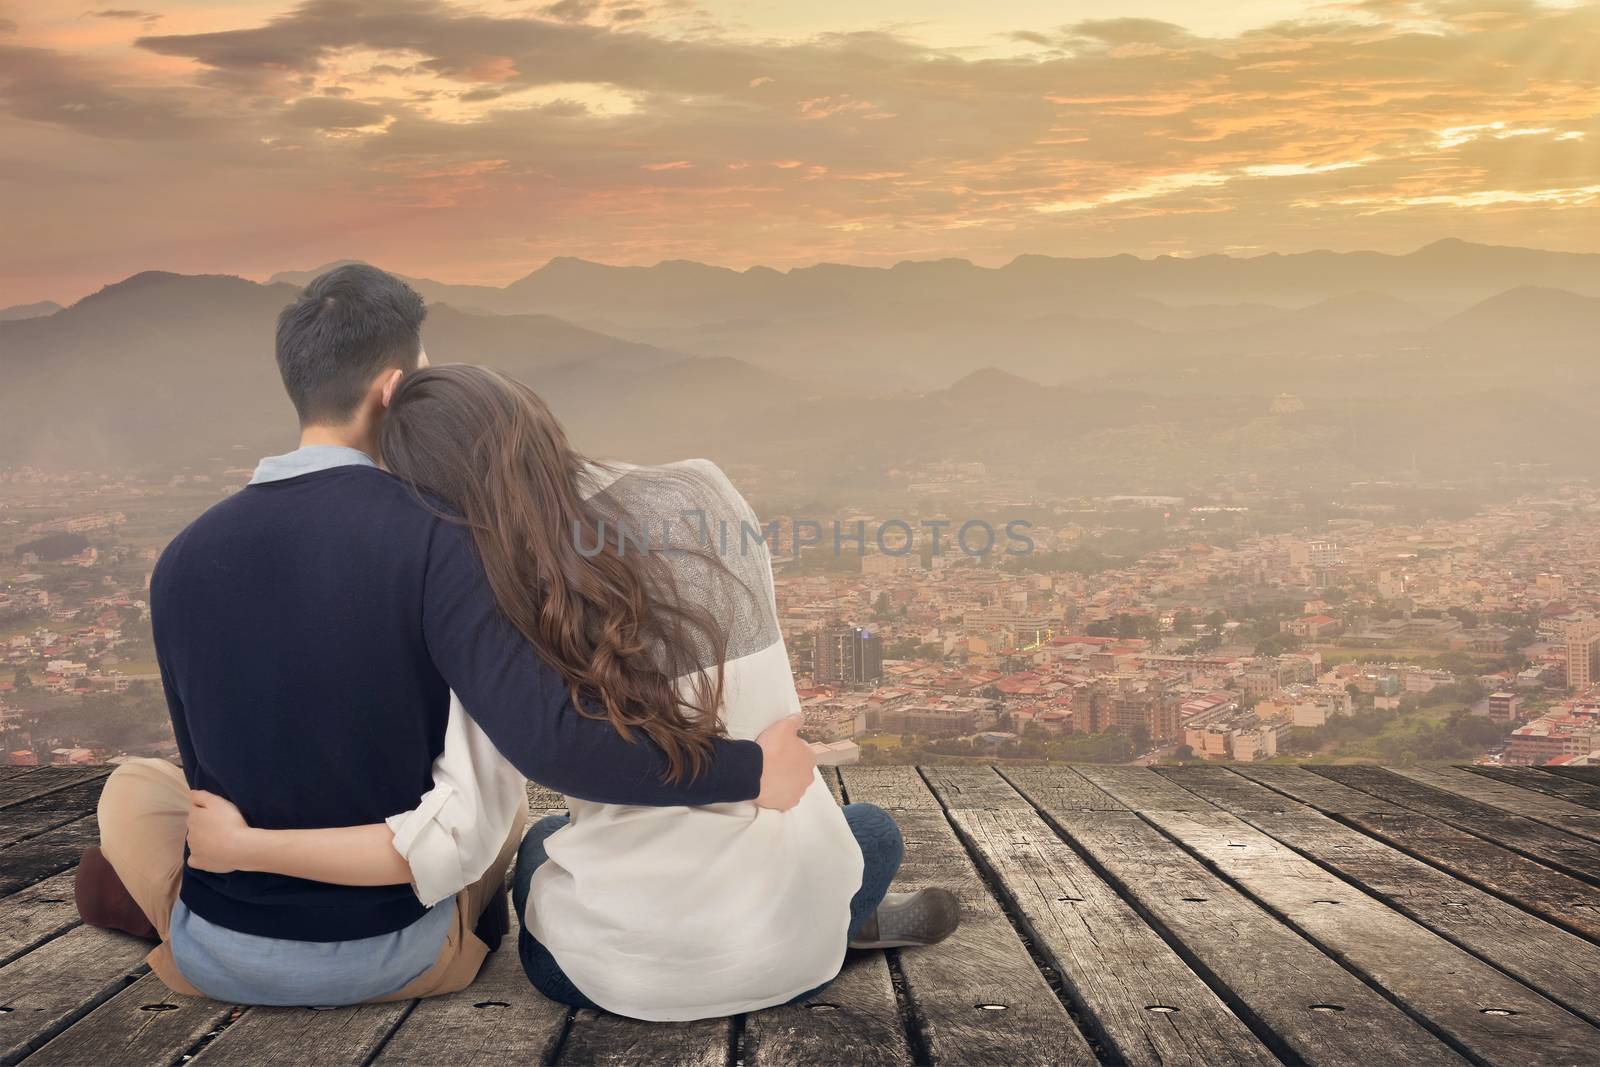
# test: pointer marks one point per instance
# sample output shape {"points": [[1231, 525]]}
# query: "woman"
{"points": [[651, 591]]}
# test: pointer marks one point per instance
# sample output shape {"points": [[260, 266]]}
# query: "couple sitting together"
{"points": [[369, 650]]}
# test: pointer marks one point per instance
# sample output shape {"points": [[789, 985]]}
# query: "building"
{"points": [[1026, 629], [1503, 707], [837, 753], [1229, 733], [1319, 554], [1128, 703], [1307, 705], [848, 655], [1552, 737], [963, 717], [1583, 654], [1311, 627]]}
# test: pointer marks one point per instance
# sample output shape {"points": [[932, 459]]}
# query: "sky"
{"points": [[472, 142]]}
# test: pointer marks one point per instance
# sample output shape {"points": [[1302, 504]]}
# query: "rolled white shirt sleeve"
{"points": [[460, 825]]}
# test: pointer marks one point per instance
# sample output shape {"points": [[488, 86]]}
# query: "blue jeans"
{"points": [[881, 851]]}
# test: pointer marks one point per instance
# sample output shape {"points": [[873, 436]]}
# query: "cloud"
{"points": [[1103, 135], [44, 85], [1126, 31], [125, 13], [571, 10], [333, 113]]}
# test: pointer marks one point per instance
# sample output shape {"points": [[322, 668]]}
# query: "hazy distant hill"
{"points": [[925, 324], [526, 345], [153, 365], [1455, 357], [467, 297], [1536, 323], [165, 365], [679, 293], [1363, 314], [29, 311]]}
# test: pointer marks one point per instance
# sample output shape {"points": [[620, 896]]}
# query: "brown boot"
{"points": [[104, 902]]}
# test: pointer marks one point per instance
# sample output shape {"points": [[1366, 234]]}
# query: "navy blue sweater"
{"points": [[309, 632]]}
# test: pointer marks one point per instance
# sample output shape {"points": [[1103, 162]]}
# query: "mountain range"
{"points": [[925, 324], [29, 311], [1454, 356]]}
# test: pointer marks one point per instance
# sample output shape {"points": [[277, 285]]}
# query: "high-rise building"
{"points": [[1583, 654], [1318, 554], [848, 655], [1127, 704]]}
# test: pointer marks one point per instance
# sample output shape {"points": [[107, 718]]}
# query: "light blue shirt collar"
{"points": [[308, 460]]}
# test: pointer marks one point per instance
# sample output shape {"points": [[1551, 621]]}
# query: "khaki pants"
{"points": [[144, 814]]}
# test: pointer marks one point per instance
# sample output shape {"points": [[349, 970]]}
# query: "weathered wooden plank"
{"points": [[1585, 793], [1555, 896], [1142, 789], [35, 915], [1322, 793], [1540, 807], [1220, 786], [1511, 874], [978, 996], [144, 1024], [1402, 792], [1551, 894], [267, 1037], [1561, 966], [498, 1020], [973, 787], [1062, 788], [30, 818], [44, 780], [891, 788], [854, 1020], [9, 771], [1143, 1000], [52, 852], [542, 802], [830, 776], [1537, 840], [53, 986], [1312, 1010], [1581, 773], [595, 1038], [1481, 1010], [1564, 967], [1532, 803]]}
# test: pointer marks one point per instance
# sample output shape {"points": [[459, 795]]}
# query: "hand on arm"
{"points": [[221, 841], [788, 765]]}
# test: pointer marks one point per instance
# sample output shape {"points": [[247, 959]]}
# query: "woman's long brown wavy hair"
{"points": [[610, 621]]}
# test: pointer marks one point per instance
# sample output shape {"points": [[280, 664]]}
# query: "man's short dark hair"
{"points": [[344, 329]]}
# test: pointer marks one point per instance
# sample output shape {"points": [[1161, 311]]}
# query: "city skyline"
{"points": [[477, 142]]}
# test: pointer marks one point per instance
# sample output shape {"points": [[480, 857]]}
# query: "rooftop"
{"points": [[1201, 915]]}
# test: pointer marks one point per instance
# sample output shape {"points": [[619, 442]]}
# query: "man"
{"points": [[309, 631]]}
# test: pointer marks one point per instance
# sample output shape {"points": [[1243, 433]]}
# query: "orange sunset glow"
{"points": [[474, 141]]}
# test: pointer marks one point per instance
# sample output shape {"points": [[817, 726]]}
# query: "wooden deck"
{"points": [[1196, 915]]}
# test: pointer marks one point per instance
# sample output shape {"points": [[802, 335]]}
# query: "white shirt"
{"points": [[666, 914]]}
